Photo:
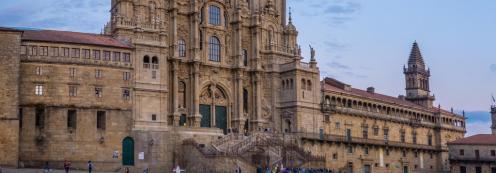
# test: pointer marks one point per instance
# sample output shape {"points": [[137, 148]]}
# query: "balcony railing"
{"points": [[280, 49]]}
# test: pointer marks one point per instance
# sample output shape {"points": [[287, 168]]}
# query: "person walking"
{"points": [[127, 170], [46, 168], [67, 166], [267, 170], [146, 171], [90, 166]]}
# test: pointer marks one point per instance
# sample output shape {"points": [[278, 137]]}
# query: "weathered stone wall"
{"points": [[9, 94]]}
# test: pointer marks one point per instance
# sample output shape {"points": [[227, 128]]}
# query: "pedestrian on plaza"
{"points": [[46, 168], [90, 166], [146, 171], [67, 166], [127, 170]]}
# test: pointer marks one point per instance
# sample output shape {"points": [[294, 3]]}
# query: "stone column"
{"points": [[195, 117], [175, 93]]}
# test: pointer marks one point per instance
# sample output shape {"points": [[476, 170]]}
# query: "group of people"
{"points": [[278, 169], [67, 167]]}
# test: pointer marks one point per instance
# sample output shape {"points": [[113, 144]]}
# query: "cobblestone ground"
{"points": [[6, 170]]}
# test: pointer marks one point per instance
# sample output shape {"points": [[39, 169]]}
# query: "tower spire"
{"points": [[417, 79], [416, 56], [290, 16]]}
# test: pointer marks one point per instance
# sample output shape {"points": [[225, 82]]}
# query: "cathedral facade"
{"points": [[205, 85]]}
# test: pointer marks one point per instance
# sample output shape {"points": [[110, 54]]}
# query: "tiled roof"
{"points": [[374, 96], [73, 37], [480, 139]]}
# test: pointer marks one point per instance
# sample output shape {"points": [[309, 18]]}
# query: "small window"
{"points": [[126, 94], [337, 125], [106, 55], [182, 48], [24, 50], [72, 91], [126, 76], [39, 71], [376, 130], [245, 57], [38, 90], [387, 151], [33, 50], [86, 54], [75, 53], [66, 51], [101, 120], [429, 140], [96, 54], [72, 72], [98, 74], [214, 15], [44, 51], [154, 117], [154, 74], [403, 153], [55, 51], [71, 119], [493, 153], [349, 149], [116, 57], [146, 62], [214, 49], [40, 117], [126, 57], [335, 156], [386, 134], [155, 62], [462, 152], [366, 150], [99, 92]]}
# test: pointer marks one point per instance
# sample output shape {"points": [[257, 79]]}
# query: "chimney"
{"points": [[371, 90]]}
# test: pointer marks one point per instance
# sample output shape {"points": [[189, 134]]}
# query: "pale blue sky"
{"points": [[360, 42]]}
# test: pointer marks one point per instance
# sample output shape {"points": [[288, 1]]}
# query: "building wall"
{"points": [[9, 94]]}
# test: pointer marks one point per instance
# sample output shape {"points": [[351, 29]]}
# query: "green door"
{"points": [[128, 151], [221, 118], [205, 111]]}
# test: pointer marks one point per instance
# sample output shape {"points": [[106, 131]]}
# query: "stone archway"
{"points": [[214, 105]]}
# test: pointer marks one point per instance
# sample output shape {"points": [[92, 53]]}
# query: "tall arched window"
{"points": [[245, 100], [181, 48], [245, 57], [214, 49], [309, 85], [146, 62], [155, 62], [182, 95], [214, 15], [303, 84]]}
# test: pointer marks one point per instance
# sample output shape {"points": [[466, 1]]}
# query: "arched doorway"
{"points": [[213, 108], [128, 151]]}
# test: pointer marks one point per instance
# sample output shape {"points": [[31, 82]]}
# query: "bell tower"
{"points": [[417, 79]]}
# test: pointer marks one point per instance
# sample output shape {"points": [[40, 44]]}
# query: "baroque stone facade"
{"points": [[224, 78]]}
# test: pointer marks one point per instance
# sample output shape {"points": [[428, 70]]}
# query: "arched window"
{"points": [[245, 57], [181, 48], [214, 15], [146, 62], [182, 95], [155, 62], [245, 100], [309, 85], [214, 49]]}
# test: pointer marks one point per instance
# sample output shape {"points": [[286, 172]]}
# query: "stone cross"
{"points": [[178, 170]]}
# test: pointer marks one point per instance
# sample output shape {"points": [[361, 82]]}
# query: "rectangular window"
{"points": [[38, 90], [387, 151], [86, 54], [126, 94], [72, 72], [403, 153], [44, 51], [96, 54], [386, 134], [365, 132], [40, 117], [126, 76], [154, 117], [98, 73], [126, 57], [214, 15], [350, 149], [462, 152], [66, 52], [366, 151], [154, 74], [101, 120], [71, 119], [376, 131], [337, 125], [98, 92], [429, 140], [72, 91], [415, 154], [348, 135], [478, 169], [33, 50], [23, 50], [493, 153], [116, 57], [477, 154], [39, 71], [402, 136], [106, 55], [335, 156], [414, 138], [463, 169], [55, 51], [76, 53]]}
